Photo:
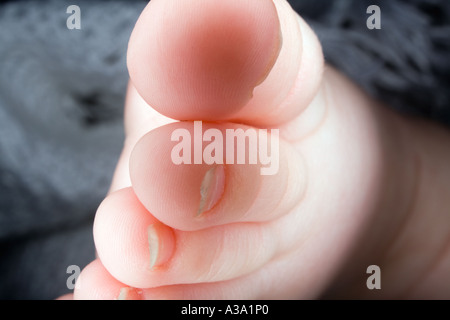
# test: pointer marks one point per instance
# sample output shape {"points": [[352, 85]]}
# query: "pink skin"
{"points": [[358, 184]]}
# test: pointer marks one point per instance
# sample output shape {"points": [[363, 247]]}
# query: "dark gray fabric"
{"points": [[405, 64], [62, 94], [61, 100]]}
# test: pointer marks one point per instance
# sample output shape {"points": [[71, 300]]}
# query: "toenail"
{"points": [[161, 244], [154, 245], [129, 293], [211, 189]]}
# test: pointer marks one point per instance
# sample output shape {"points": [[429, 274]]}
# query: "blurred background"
{"points": [[61, 105]]}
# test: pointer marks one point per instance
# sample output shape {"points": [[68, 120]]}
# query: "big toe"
{"points": [[224, 60]]}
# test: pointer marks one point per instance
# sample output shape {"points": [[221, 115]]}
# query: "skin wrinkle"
{"points": [[282, 250], [257, 119], [249, 207], [299, 78], [295, 84], [257, 195], [325, 92], [212, 271], [267, 232], [276, 52], [215, 270], [303, 193], [261, 228], [278, 203]]}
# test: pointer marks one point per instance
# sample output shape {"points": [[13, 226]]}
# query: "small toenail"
{"points": [[154, 244], [211, 189], [129, 293]]}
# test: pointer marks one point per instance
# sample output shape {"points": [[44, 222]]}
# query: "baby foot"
{"points": [[355, 184]]}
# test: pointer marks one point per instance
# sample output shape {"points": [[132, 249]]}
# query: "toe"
{"points": [[142, 253], [190, 184], [229, 60]]}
